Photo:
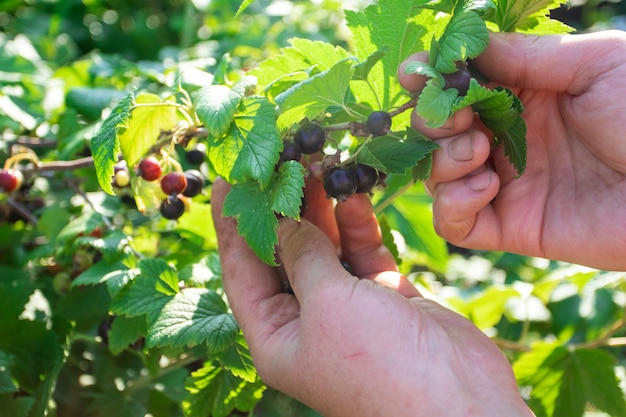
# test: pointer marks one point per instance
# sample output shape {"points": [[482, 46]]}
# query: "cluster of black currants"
{"points": [[340, 180], [175, 184]]}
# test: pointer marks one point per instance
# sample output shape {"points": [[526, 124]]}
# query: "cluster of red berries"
{"points": [[175, 184], [340, 181]]}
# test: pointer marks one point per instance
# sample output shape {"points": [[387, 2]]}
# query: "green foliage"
{"points": [[109, 309]]}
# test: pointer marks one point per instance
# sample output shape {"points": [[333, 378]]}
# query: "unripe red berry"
{"points": [[149, 169], [10, 180], [173, 183]]}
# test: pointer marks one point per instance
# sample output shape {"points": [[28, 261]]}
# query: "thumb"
{"points": [[309, 258], [559, 63]]}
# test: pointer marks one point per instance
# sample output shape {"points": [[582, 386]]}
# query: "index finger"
{"points": [[248, 281]]}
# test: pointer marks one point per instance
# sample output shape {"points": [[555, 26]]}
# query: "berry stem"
{"points": [[406, 106]]}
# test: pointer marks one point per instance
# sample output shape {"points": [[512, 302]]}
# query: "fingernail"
{"points": [[462, 149], [479, 182]]}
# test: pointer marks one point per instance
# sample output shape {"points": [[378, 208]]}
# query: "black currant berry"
{"points": [[367, 177], [195, 183], [149, 169], [310, 137], [340, 183], [459, 80], [196, 155], [174, 183], [379, 123], [172, 207], [291, 152]]}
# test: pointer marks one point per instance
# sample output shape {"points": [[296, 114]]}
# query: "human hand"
{"points": [[569, 203], [356, 347]]}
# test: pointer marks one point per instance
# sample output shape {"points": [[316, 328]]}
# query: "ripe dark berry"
{"points": [[310, 137], [291, 152], [172, 207], [195, 183], [459, 80], [379, 123], [149, 169], [196, 155], [173, 183], [10, 180], [340, 183], [367, 177]]}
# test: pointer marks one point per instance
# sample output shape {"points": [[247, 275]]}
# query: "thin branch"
{"points": [[145, 380], [511, 345], [22, 211], [604, 339], [58, 165], [406, 106]]}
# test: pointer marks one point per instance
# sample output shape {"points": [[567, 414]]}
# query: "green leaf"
{"points": [[363, 68], [145, 126], [388, 239], [435, 104], [251, 148], [421, 68], [112, 246], [7, 385], [312, 97], [564, 381], [194, 316], [238, 361], [465, 36], [216, 105], [287, 190], [498, 108], [148, 292], [501, 112], [101, 272], [163, 275], [487, 309], [256, 221], [105, 146], [515, 146], [411, 215], [216, 392], [322, 55], [16, 407], [243, 6], [394, 155], [421, 171], [398, 26], [125, 331], [530, 16], [91, 101]]}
